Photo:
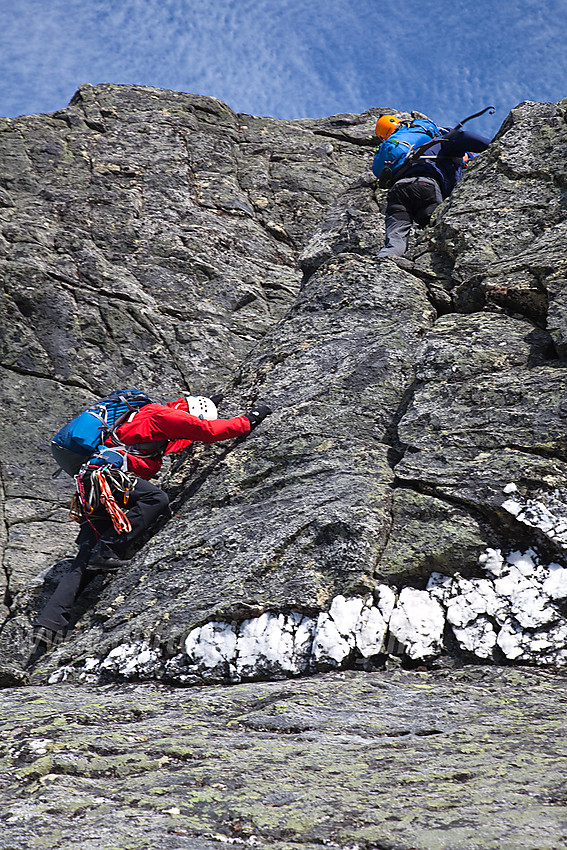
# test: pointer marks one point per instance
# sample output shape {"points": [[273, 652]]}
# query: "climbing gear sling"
{"points": [[99, 487]]}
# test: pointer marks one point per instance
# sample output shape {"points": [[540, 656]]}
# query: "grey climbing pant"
{"points": [[410, 200]]}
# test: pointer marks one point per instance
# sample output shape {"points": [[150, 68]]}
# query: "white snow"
{"points": [[370, 632], [525, 598], [475, 597], [329, 646], [60, 675], [350, 623], [274, 642], [555, 585], [440, 586], [131, 660], [417, 623], [386, 601], [492, 561], [477, 637], [513, 608], [547, 512], [512, 506], [345, 613], [510, 640], [211, 645], [269, 644]]}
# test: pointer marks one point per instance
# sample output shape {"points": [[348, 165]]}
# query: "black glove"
{"points": [[216, 399], [258, 414]]}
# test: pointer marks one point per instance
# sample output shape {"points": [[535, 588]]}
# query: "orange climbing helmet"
{"points": [[386, 125]]}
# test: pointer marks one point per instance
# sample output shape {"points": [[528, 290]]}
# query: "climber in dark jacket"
{"points": [[420, 189], [162, 429]]}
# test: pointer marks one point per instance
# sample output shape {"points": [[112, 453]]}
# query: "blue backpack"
{"points": [[80, 438], [393, 152]]}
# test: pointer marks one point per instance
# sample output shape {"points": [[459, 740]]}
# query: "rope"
{"points": [[119, 519]]}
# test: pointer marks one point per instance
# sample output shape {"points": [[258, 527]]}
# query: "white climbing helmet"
{"points": [[201, 407]]}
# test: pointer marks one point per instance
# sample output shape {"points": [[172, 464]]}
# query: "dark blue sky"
{"points": [[291, 58]]}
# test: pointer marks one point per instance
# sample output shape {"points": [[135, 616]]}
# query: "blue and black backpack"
{"points": [[80, 438], [394, 151]]}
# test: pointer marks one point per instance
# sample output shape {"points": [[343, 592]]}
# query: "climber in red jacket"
{"points": [[147, 435], [144, 438], [136, 452]]}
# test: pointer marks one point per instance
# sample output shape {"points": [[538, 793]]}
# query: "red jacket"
{"points": [[176, 429]]}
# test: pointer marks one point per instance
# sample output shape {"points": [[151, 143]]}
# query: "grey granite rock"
{"points": [[147, 238], [159, 239], [404, 505]]}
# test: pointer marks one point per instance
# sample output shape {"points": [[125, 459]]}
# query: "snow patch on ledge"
{"points": [[512, 612], [417, 622], [269, 646], [278, 645], [547, 512]]}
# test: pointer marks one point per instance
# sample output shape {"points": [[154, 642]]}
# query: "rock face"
{"points": [[148, 238], [468, 760], [406, 494]]}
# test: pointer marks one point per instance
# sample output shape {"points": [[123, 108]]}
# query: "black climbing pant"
{"points": [[147, 503]]}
